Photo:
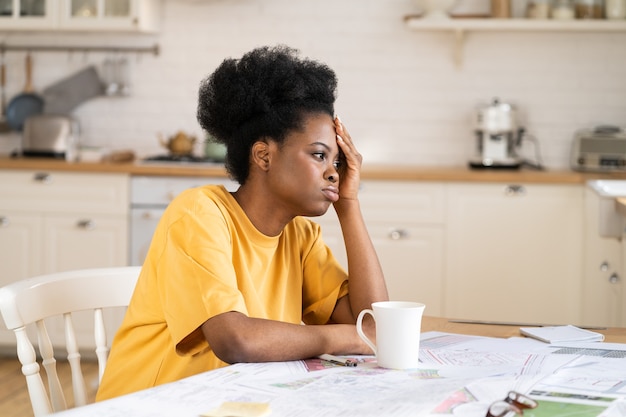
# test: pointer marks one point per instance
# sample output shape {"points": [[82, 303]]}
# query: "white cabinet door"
{"points": [[84, 241], [110, 15], [83, 15], [405, 223], [603, 278], [28, 15], [622, 311], [412, 260], [20, 243], [514, 253]]}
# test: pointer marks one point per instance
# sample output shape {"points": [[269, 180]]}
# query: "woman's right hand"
{"points": [[350, 171]]}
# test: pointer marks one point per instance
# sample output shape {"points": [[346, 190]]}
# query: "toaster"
{"points": [[602, 149], [50, 136]]}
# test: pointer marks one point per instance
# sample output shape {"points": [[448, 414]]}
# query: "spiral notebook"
{"points": [[559, 334]]}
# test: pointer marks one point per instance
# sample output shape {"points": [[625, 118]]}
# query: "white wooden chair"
{"points": [[31, 300]]}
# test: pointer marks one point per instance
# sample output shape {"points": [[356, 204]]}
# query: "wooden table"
{"points": [[611, 334]]}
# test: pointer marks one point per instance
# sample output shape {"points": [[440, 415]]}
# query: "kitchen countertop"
{"points": [[372, 172]]}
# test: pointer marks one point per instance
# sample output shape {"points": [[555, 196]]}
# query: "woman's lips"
{"points": [[331, 193]]}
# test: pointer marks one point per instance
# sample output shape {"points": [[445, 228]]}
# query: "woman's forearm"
{"points": [[366, 278]]}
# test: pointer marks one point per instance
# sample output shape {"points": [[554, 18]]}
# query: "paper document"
{"points": [[559, 334]]}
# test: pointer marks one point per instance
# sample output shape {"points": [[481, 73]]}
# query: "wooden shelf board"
{"points": [[477, 24]]}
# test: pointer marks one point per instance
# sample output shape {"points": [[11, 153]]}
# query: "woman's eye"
{"points": [[320, 155], [337, 164]]}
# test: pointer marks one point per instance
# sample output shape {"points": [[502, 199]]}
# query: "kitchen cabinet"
{"points": [[20, 240], [20, 14], [59, 221], [405, 222], [603, 285], [622, 309], [514, 252], [83, 15], [132, 15]]}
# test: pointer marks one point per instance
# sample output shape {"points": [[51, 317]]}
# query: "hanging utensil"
{"points": [[4, 125], [123, 76], [26, 104], [64, 96], [109, 75]]}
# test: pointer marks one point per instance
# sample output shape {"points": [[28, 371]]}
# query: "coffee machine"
{"points": [[498, 137]]}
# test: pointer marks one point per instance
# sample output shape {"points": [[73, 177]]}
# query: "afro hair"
{"points": [[264, 94]]}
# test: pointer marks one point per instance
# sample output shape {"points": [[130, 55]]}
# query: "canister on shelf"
{"points": [[501, 9], [615, 9], [563, 10], [589, 9], [538, 9]]}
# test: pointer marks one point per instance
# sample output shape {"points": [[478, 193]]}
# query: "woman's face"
{"points": [[303, 172]]}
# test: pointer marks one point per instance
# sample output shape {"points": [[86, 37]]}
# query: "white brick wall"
{"points": [[399, 91]]}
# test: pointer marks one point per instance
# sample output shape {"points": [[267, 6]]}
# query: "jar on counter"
{"points": [[538, 9], [563, 10], [589, 9], [615, 9]]}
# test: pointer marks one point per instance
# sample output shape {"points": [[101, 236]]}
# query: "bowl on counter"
{"points": [[214, 151]]}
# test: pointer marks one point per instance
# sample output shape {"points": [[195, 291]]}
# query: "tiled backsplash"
{"points": [[400, 94]]}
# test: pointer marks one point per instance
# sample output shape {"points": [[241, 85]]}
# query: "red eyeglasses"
{"points": [[514, 403]]}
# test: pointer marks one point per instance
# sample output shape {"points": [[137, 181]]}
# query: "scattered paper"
{"points": [[239, 409], [558, 334], [460, 375]]}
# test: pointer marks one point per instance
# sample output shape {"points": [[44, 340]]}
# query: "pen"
{"points": [[337, 360]]}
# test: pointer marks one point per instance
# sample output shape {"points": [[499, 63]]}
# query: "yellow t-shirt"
{"points": [[206, 258]]}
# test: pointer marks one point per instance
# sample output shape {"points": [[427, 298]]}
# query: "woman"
{"points": [[231, 277]]}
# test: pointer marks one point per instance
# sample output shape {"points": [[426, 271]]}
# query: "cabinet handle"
{"points": [[43, 177], [604, 266], [86, 224], [614, 278], [515, 190], [4, 221], [398, 234]]}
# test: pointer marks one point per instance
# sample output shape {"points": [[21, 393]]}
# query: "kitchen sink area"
{"points": [[612, 206], [609, 188]]}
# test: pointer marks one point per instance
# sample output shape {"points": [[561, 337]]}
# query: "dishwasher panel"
{"points": [[149, 196]]}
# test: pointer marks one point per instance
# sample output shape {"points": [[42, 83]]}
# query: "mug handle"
{"points": [[359, 328]]}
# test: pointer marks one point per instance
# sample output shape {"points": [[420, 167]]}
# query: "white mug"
{"points": [[398, 327]]}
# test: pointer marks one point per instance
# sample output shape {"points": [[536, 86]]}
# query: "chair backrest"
{"points": [[32, 300]]}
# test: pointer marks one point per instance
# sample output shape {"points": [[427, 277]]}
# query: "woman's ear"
{"points": [[261, 154]]}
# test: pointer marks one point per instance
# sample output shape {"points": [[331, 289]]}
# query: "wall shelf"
{"points": [[154, 50], [460, 26]]}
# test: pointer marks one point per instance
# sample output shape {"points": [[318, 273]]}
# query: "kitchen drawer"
{"points": [[37, 191], [402, 202], [397, 202]]}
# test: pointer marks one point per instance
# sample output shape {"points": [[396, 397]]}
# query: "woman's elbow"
{"points": [[229, 342]]}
